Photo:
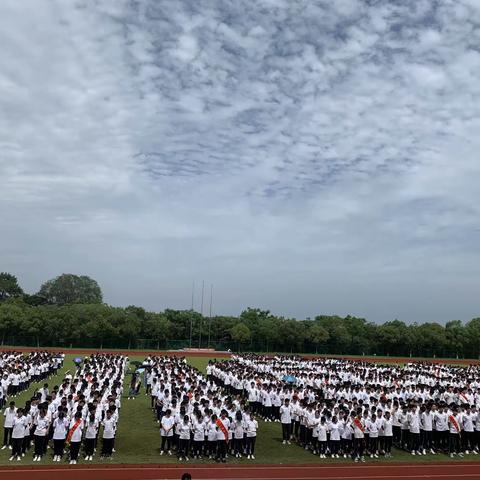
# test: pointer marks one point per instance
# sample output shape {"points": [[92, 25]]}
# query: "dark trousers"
{"points": [[358, 446], [296, 428], [251, 445], [442, 439], [468, 440], [427, 439], [168, 442], [221, 449], [89, 444], [107, 447], [387, 444], [7, 435], [58, 446], [322, 447], [414, 441], [286, 431], [17, 447], [74, 449], [238, 445], [197, 447], [334, 446], [183, 447], [346, 446], [397, 435], [40, 444], [454, 442]]}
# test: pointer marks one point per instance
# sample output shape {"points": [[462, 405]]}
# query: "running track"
{"points": [[441, 471], [216, 354]]}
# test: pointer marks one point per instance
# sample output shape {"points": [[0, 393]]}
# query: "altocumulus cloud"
{"points": [[303, 156]]}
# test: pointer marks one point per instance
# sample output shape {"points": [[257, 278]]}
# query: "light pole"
{"points": [[191, 314], [210, 315], [201, 318]]}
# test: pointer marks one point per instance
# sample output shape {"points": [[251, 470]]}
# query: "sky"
{"points": [[306, 157]]}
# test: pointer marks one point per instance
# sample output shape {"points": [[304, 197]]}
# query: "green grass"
{"points": [[138, 436]]}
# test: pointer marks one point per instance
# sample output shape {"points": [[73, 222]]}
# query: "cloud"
{"points": [[301, 156]]}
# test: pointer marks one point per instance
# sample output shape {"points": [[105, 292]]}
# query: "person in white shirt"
{"points": [[286, 421], [166, 431], [42, 424], [322, 437], [238, 434], [387, 434], [441, 427], [334, 427], [252, 427], [18, 432], [10, 413], [413, 419], [468, 437], [184, 429], [372, 428], [223, 426], [454, 428], [60, 430], [109, 429], [91, 431], [75, 437], [198, 435], [358, 425]]}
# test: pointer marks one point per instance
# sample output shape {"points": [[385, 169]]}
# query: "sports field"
{"points": [[138, 437]]}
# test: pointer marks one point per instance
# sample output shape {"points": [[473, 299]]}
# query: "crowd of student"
{"points": [[18, 371], [337, 407], [85, 405], [197, 418]]}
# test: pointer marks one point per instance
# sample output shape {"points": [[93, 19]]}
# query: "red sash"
{"points": [[452, 420], [358, 424], [221, 426], [464, 397], [72, 430]]}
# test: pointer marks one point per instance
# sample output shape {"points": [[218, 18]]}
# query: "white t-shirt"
{"points": [[167, 423], [9, 415], [19, 427], [286, 414], [60, 426]]}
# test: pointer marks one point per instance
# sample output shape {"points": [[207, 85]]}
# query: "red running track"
{"points": [[215, 354], [441, 471]]}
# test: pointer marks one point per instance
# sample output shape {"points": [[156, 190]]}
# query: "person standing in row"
{"points": [[18, 432], [42, 424], [74, 437], [109, 429], [60, 430], [10, 413], [91, 432]]}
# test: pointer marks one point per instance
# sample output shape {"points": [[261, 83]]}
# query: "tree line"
{"points": [[70, 312]]}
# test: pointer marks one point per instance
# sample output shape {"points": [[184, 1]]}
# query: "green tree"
{"points": [[240, 333], [455, 337], [11, 320], [393, 338], [9, 286], [157, 327], [472, 331], [318, 335], [67, 289]]}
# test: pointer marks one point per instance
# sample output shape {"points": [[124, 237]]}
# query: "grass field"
{"points": [[138, 436]]}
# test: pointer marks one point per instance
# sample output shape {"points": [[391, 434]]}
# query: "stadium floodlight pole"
{"points": [[191, 314], [201, 317], [210, 314]]}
